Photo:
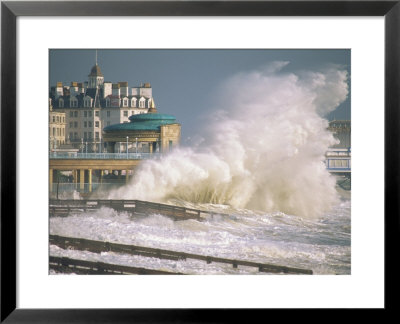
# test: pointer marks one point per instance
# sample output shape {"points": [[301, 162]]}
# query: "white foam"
{"points": [[263, 148]]}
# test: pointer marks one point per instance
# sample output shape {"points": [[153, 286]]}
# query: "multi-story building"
{"points": [[92, 105], [338, 157], [56, 128], [341, 130]]}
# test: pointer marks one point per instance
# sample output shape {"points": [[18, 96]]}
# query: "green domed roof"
{"points": [[153, 117], [143, 122]]}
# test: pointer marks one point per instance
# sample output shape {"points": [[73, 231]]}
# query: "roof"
{"points": [[143, 122], [96, 71]]}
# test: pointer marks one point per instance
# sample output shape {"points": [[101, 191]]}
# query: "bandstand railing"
{"points": [[103, 156]]}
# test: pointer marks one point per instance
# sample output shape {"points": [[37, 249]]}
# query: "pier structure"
{"points": [[85, 166], [338, 161]]}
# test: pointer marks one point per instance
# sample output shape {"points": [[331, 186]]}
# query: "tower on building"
{"points": [[96, 78]]}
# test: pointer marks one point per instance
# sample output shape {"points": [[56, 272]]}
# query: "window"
{"points": [[71, 124], [85, 135], [108, 102], [141, 104], [90, 124], [125, 102], [84, 124], [97, 124], [90, 135], [61, 103], [71, 136], [90, 114], [108, 113], [125, 113], [76, 124], [76, 135], [54, 131], [71, 114], [97, 113], [54, 119], [133, 103], [85, 113], [75, 114]]}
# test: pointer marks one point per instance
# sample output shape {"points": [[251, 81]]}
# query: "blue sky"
{"points": [[186, 82]]}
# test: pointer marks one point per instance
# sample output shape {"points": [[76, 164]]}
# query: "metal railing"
{"points": [[103, 156]]}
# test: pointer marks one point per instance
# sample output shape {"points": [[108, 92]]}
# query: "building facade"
{"points": [[94, 104], [57, 131]]}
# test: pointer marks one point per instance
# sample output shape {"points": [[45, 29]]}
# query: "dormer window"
{"points": [[73, 102], [142, 103], [133, 102], [61, 103], [87, 102], [125, 102]]}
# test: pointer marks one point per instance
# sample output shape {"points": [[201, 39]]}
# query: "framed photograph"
{"points": [[251, 147]]}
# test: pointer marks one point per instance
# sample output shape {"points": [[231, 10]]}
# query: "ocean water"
{"points": [[322, 245]]}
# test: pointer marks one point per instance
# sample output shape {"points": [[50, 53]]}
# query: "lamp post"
{"points": [[127, 138]]}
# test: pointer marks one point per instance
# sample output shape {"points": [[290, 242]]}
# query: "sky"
{"points": [[188, 83]]}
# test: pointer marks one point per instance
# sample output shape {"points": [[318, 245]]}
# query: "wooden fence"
{"points": [[99, 246], [67, 265], [63, 208]]}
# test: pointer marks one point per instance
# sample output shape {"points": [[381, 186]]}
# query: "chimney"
{"points": [[116, 91], [124, 89]]}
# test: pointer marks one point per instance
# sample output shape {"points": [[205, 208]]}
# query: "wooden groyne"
{"points": [[99, 246], [63, 208], [67, 265]]}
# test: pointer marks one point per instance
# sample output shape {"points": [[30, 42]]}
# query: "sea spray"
{"points": [[263, 148]]}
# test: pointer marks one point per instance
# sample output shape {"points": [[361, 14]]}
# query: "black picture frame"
{"points": [[10, 10]]}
